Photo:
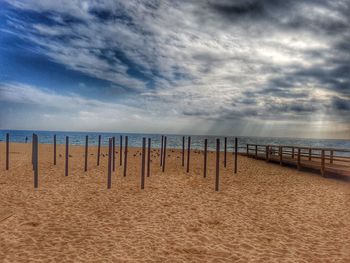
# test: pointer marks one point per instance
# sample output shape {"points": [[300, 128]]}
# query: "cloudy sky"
{"points": [[234, 67]]}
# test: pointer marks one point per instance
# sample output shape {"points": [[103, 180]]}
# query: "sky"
{"points": [[225, 67]]}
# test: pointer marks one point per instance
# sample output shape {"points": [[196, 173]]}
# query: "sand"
{"points": [[265, 213]]}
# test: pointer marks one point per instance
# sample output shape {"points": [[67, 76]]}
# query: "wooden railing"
{"points": [[311, 157]]}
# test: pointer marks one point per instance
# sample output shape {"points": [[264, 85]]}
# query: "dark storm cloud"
{"points": [[284, 13], [253, 8], [341, 104], [333, 76]]}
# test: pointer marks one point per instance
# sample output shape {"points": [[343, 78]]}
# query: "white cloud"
{"points": [[168, 40], [202, 65], [44, 109], [166, 112]]}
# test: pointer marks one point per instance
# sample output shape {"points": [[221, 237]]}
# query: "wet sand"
{"points": [[265, 213]]}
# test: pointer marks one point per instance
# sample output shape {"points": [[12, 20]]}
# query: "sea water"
{"points": [[173, 140]]}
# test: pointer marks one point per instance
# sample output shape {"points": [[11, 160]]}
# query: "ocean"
{"points": [[173, 141]]}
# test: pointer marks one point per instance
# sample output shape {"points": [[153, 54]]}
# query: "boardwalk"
{"points": [[328, 161]]}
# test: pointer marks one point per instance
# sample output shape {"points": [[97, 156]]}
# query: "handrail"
{"points": [[301, 147], [299, 154]]}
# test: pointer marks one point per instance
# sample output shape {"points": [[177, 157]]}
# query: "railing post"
{"points": [[164, 154], [161, 152], [331, 157], [267, 153], [256, 151], [280, 154], [322, 163], [292, 152], [54, 149], [33, 150], [183, 151], [310, 152], [149, 158], [236, 153], [98, 150], [7, 151], [188, 154], [225, 152], [298, 163], [205, 158], [109, 176], [36, 157], [67, 156], [120, 150], [217, 177], [113, 153], [247, 150], [143, 163], [125, 155], [86, 152]]}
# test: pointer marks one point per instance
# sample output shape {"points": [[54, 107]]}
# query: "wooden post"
{"points": [[183, 151], [225, 152], [125, 155], [86, 152], [256, 151], [188, 154], [7, 151], [247, 150], [161, 151], [98, 150], [54, 149], [280, 149], [267, 149], [309, 154], [33, 155], [109, 176], [121, 149], [217, 165], [292, 152], [205, 158], [143, 163], [236, 154], [36, 157], [322, 164], [164, 154], [331, 157], [67, 156], [33, 151], [298, 164], [113, 154], [149, 158]]}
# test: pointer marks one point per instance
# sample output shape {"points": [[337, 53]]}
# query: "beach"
{"points": [[264, 213]]}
